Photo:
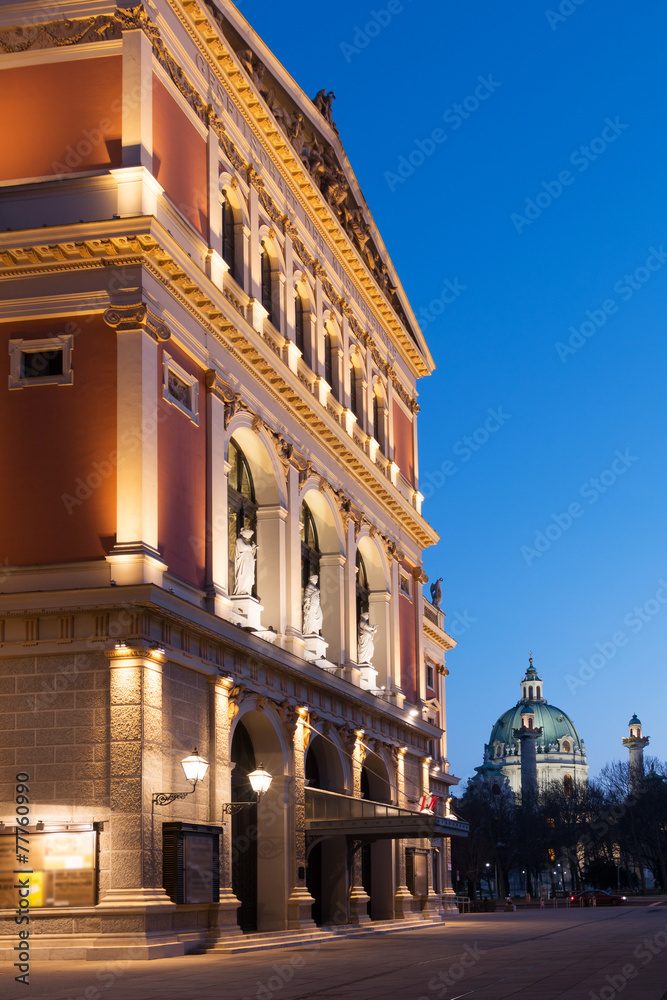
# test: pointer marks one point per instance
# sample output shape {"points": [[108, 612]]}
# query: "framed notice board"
{"points": [[191, 862], [63, 867]]}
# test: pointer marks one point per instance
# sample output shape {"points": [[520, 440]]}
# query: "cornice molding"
{"points": [[144, 249], [211, 43]]}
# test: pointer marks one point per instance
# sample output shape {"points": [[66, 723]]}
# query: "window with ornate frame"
{"points": [[41, 362], [355, 391], [229, 236], [329, 373], [269, 289], [180, 388], [241, 502], [300, 324]]}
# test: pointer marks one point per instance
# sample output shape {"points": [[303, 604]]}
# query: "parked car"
{"points": [[601, 898]]}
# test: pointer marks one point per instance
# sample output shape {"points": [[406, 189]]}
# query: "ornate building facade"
{"points": [[212, 531]]}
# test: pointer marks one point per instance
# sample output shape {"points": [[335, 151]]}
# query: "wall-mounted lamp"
{"points": [[195, 768], [260, 781]]}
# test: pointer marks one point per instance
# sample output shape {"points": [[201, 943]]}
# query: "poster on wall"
{"points": [[64, 868]]}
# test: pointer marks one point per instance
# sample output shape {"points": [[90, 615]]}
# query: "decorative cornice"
{"points": [[215, 48], [145, 250]]}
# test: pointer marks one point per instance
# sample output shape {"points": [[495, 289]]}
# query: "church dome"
{"points": [[553, 722], [559, 734]]}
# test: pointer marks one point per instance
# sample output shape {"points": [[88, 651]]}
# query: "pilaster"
{"points": [[135, 557]]}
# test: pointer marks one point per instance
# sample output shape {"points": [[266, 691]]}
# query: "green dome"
{"points": [[634, 721], [553, 722]]}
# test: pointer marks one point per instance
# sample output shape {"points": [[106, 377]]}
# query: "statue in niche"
{"points": [[312, 607], [245, 552], [436, 593], [365, 640]]}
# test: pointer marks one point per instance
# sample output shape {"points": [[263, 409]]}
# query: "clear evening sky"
{"points": [[513, 157]]}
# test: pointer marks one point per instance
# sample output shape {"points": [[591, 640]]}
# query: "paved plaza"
{"points": [[541, 955]]}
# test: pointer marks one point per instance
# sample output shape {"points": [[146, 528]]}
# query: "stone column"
{"points": [[135, 557], [137, 99], [136, 915], [272, 565], [300, 902], [379, 606], [349, 651], [224, 922], [432, 906], [293, 610], [359, 898], [218, 395], [216, 266], [332, 580], [403, 898]]}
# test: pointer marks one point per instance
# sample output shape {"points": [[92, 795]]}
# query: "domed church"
{"points": [[536, 729]]}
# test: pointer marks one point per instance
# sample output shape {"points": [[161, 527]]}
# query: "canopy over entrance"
{"points": [[331, 814]]}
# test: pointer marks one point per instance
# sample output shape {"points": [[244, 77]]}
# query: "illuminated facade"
{"points": [[205, 342]]}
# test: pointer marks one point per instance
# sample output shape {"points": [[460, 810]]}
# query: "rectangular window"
{"points": [[430, 680], [40, 362], [181, 389]]}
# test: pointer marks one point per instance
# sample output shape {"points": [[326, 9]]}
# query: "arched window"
{"points": [[567, 784], [566, 746], [355, 391], [310, 547], [301, 324], [268, 296], [378, 420], [241, 504], [538, 692], [530, 722], [229, 237], [363, 590], [329, 371], [530, 693]]}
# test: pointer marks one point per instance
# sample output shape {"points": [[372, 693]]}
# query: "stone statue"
{"points": [[323, 102], [365, 640], [436, 593], [312, 608], [244, 563]]}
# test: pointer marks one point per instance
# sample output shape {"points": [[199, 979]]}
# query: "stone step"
{"points": [[288, 939]]}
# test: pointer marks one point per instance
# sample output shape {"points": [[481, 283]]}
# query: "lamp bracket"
{"points": [[166, 798], [232, 808]]}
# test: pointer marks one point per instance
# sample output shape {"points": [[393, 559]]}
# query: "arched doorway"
{"points": [[260, 844], [326, 873], [244, 825], [377, 870]]}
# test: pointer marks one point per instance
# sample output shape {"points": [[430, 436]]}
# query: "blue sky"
{"points": [[541, 201]]}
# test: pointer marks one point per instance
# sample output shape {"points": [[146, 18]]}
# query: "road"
{"points": [[590, 954]]}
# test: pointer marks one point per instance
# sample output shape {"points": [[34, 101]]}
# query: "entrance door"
{"points": [[244, 831]]}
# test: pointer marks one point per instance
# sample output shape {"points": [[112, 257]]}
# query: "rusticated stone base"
{"points": [[359, 900], [299, 909]]}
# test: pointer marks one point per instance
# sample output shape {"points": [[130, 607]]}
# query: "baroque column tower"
{"points": [[636, 744]]}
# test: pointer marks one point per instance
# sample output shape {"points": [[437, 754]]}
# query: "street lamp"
{"points": [[260, 781], [195, 768]]}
